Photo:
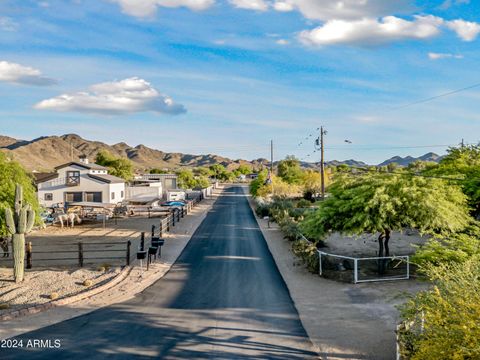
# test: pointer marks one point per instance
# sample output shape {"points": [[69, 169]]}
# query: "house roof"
{"points": [[107, 178], [85, 166], [42, 177]]}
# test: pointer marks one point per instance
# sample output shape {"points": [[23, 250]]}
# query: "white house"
{"points": [[80, 181]]}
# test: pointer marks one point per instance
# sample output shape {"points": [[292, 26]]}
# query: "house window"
{"points": [[73, 196], [73, 178], [121, 194], [48, 197], [113, 195], [95, 196]]}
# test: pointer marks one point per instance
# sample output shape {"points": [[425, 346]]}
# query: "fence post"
{"points": [[153, 230], [129, 243], [160, 227], [142, 241], [178, 215], [173, 218], [183, 211], [408, 267], [168, 223], [355, 271], [80, 254], [319, 261], [29, 254]]}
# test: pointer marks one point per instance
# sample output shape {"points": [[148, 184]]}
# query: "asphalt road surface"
{"points": [[224, 298]]}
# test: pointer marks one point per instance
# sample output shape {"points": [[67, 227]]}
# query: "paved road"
{"points": [[223, 299]]}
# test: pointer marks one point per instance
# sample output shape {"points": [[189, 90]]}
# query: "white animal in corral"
{"points": [[68, 218]]}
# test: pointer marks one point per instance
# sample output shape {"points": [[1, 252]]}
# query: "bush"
{"points": [[450, 311], [302, 203], [308, 253], [87, 283], [4, 306], [455, 248], [54, 295]]}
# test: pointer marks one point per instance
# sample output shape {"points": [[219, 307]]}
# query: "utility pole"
{"points": [[322, 161], [271, 163]]}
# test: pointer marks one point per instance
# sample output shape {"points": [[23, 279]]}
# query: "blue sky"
{"points": [[226, 76]]}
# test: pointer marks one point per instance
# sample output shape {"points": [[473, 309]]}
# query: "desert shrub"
{"points": [[455, 248], [87, 282], [308, 253], [443, 323], [54, 295], [289, 228], [302, 203], [4, 306]]}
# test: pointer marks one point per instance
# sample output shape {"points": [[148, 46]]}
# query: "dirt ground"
{"points": [[367, 245], [40, 285]]}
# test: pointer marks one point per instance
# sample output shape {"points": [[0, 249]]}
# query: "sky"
{"points": [[227, 76]]}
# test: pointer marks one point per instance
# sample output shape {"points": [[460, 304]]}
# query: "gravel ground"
{"points": [[38, 285], [401, 243]]}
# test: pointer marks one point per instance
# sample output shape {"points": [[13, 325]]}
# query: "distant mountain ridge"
{"points": [[405, 161], [46, 152]]}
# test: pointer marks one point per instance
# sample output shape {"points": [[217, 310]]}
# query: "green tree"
{"points": [[289, 170], [186, 179], [382, 203], [458, 247], [202, 171], [244, 169], [312, 183], [12, 173], [159, 171], [444, 321], [120, 167], [463, 165], [258, 183]]}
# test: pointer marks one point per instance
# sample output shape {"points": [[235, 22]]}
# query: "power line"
{"points": [[436, 97]]}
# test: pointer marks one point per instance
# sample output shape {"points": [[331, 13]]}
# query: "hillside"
{"points": [[46, 152]]}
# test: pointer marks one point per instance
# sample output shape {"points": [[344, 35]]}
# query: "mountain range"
{"points": [[44, 153]]}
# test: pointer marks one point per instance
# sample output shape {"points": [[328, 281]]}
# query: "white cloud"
{"points": [[19, 74], [369, 31], [283, 6], [117, 97], [146, 8], [282, 42], [7, 24], [259, 5], [466, 30], [449, 3], [437, 56], [343, 9]]}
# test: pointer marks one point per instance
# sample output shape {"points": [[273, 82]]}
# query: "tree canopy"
{"points": [[120, 167], [187, 180], [381, 203], [463, 165], [289, 170], [12, 173]]}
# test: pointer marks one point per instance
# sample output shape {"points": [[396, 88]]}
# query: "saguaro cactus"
{"points": [[19, 223]]}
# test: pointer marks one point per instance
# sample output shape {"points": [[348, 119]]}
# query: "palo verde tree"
{"points": [[382, 203]]}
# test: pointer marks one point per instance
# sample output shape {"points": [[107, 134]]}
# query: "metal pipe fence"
{"points": [[364, 269]]}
